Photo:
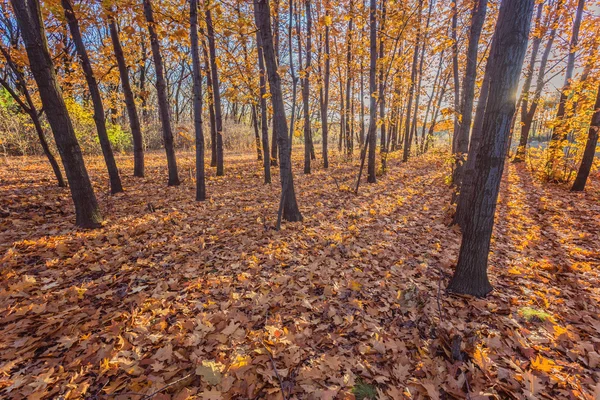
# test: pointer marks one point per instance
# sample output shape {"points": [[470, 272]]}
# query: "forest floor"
{"points": [[175, 299]]}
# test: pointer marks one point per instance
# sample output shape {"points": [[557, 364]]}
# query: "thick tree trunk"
{"points": [[134, 121], [99, 116], [590, 149], [506, 60], [264, 125], [263, 23], [372, 133], [197, 78], [212, 51], [29, 18], [468, 93], [559, 132], [161, 94]]}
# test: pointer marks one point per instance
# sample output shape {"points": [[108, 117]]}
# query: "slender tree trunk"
{"points": [[381, 99], [527, 113], [29, 18], [143, 96], [429, 138], [197, 78], [455, 76], [99, 116], [506, 60], [411, 90], [32, 111], [431, 99], [325, 102], [372, 134], [212, 51], [468, 93], [559, 132], [347, 110], [590, 149], [134, 121], [259, 155], [263, 22], [264, 125], [161, 93], [306, 89], [211, 103]]}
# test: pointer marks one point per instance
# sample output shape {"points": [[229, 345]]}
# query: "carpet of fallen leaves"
{"points": [[175, 299]]}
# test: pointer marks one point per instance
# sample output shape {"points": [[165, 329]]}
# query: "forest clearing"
{"points": [[299, 199], [349, 299]]}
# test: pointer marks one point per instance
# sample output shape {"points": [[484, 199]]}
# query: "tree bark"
{"points": [[212, 52], [197, 78], [559, 132], [590, 149], [372, 133], [134, 121], [263, 22], [527, 113], [468, 92], [306, 89], [264, 125], [455, 75], [99, 116], [506, 60], [325, 91], [29, 18], [161, 93], [381, 99]]}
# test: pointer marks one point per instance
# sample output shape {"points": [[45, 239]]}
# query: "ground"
{"points": [[175, 299]]}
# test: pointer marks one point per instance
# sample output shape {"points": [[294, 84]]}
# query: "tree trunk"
{"points": [[455, 76], [381, 99], [99, 116], [527, 114], [506, 60], [559, 132], [161, 94], [306, 89], [32, 111], [211, 104], [372, 133], [348, 117], [468, 93], [212, 51], [29, 18], [197, 78], [264, 125], [325, 89], [411, 90], [134, 121], [590, 149], [263, 23]]}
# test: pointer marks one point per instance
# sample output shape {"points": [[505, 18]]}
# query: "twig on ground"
{"points": [[275, 369]]}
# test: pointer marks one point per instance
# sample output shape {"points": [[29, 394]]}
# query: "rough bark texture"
{"points": [[506, 61], [212, 52], [99, 116], [161, 94], [468, 92], [590, 149], [29, 18], [455, 76], [134, 120], [263, 23], [197, 78]]}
